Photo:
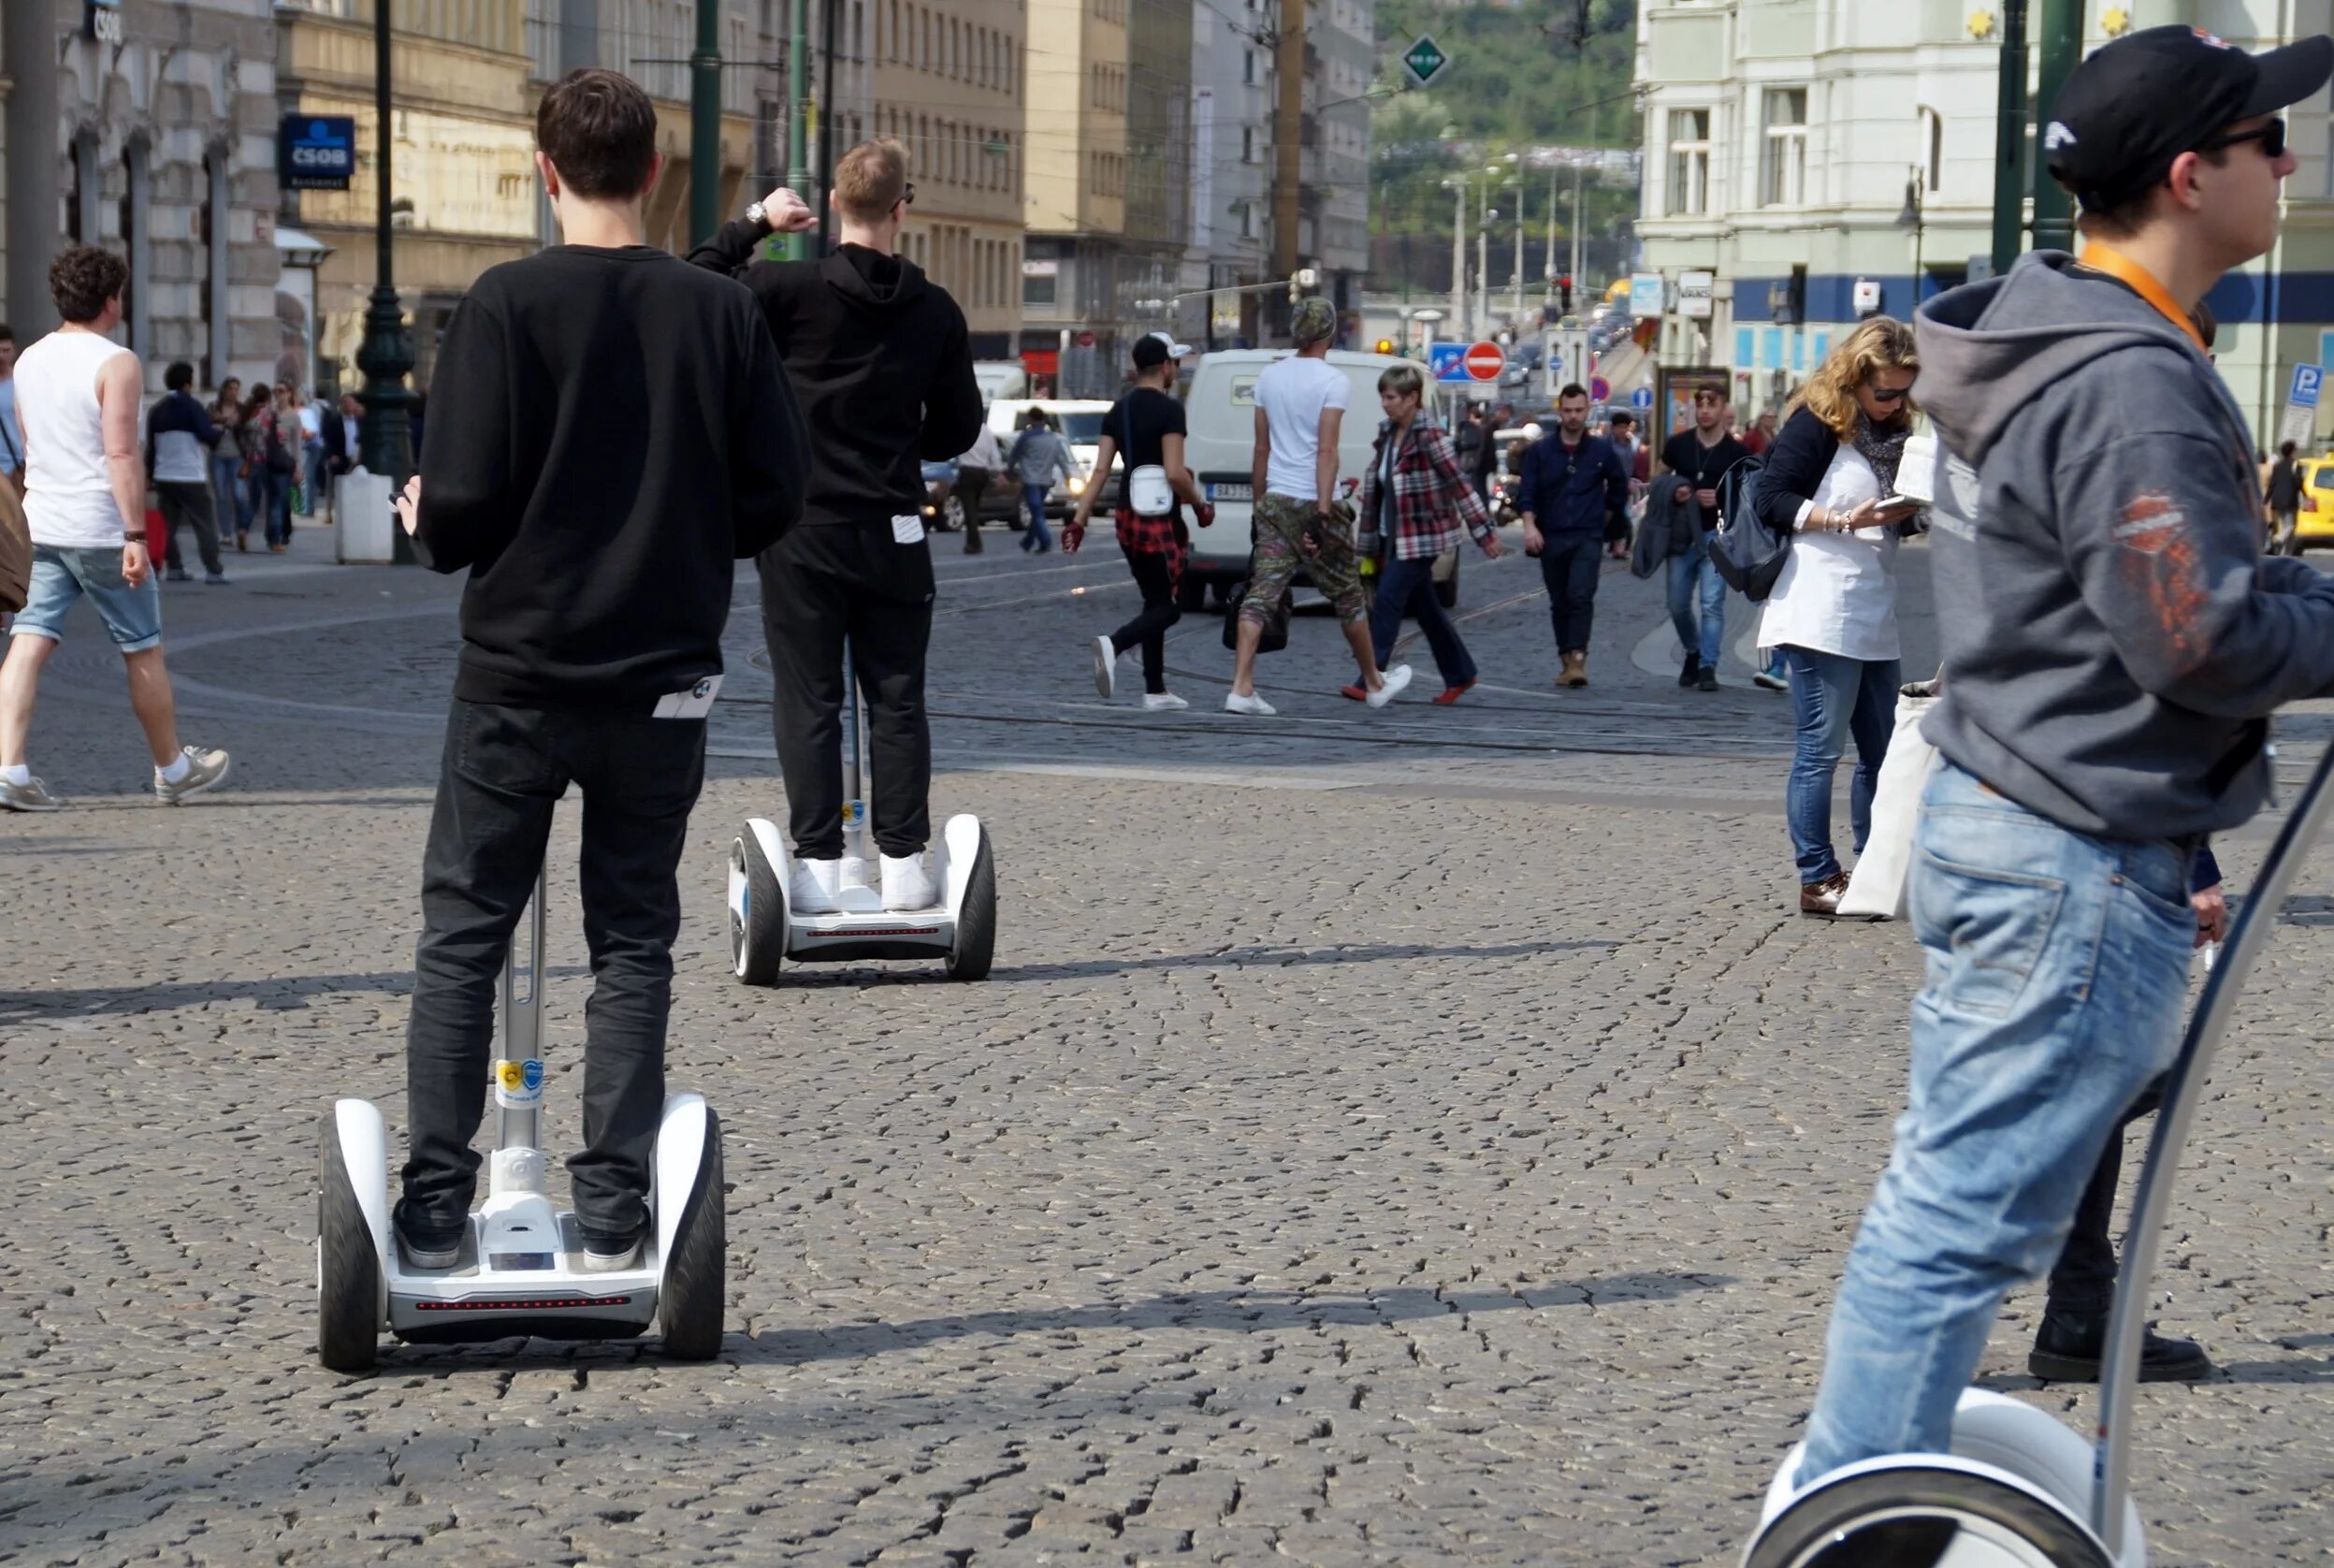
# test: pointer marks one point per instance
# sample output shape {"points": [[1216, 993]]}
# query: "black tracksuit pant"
{"points": [[1155, 581], [823, 584], [504, 769], [188, 502], [2082, 1280]]}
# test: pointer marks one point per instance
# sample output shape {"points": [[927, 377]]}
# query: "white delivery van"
{"points": [[1220, 414]]}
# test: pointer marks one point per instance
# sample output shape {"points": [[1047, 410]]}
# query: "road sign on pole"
{"points": [[1484, 361], [1447, 361], [1642, 399], [1424, 60], [2302, 406], [2306, 380]]}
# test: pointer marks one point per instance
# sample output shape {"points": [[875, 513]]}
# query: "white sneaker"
{"points": [[906, 884], [1235, 703], [1395, 681], [812, 888], [1162, 702], [1106, 666], [206, 769]]}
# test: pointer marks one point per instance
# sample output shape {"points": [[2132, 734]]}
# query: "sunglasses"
{"points": [[2271, 137], [907, 194], [1881, 395]]}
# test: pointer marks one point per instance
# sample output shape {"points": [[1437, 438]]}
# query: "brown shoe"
{"points": [[1575, 670], [1822, 899]]}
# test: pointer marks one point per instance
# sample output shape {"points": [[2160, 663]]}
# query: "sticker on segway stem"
{"points": [[519, 1086], [695, 702], [530, 1076]]}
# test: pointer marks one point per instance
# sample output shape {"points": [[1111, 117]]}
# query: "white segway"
{"points": [[520, 1270], [2020, 1490], [960, 930]]}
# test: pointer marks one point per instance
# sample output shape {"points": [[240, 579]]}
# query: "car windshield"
{"points": [[1081, 427]]}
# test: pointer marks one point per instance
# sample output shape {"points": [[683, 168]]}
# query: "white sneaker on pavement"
{"points": [[1392, 684], [30, 795], [1252, 703], [812, 888], [908, 884], [205, 770], [1106, 666], [1162, 702]]}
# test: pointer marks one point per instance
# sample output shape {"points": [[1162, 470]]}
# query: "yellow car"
{"points": [[2316, 525]]}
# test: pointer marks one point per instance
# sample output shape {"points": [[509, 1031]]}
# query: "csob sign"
{"points": [[101, 20], [316, 152]]}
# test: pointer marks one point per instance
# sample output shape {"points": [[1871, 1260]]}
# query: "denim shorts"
{"points": [[133, 616]]}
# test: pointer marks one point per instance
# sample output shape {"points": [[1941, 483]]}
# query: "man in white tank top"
{"points": [[78, 394]]}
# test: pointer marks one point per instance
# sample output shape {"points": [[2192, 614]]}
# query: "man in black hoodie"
{"points": [[617, 434], [879, 358]]}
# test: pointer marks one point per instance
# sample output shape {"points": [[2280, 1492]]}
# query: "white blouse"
{"points": [[1837, 593]]}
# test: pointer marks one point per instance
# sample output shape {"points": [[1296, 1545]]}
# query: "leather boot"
{"points": [[1822, 899], [1575, 670], [2069, 1345]]}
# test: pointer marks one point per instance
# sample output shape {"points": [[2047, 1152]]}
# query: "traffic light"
{"points": [[1385, 345], [1564, 294]]}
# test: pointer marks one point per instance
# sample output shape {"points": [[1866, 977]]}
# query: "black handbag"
{"points": [[1275, 635]]}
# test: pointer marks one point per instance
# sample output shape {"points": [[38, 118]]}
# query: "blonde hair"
{"points": [[870, 178], [1878, 343]]}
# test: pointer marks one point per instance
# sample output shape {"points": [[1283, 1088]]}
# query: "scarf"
{"points": [[1882, 448]]}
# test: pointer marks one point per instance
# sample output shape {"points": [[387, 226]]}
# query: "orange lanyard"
{"points": [[2116, 264]]}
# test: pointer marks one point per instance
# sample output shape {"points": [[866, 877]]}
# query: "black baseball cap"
{"points": [[2132, 108]]}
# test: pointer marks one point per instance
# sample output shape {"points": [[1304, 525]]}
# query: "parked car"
{"points": [[944, 508]]}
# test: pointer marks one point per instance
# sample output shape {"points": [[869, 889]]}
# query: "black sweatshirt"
{"points": [[879, 355], [609, 431]]}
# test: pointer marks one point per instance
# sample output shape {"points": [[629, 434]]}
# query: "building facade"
{"points": [[1231, 123], [1796, 149], [1333, 206], [147, 127], [949, 81]]}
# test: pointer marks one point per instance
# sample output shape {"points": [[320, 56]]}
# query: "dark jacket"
{"points": [[1572, 492], [1803, 449], [338, 458], [179, 415], [879, 360], [1670, 527]]}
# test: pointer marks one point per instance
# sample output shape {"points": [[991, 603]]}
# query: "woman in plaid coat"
{"points": [[1413, 500]]}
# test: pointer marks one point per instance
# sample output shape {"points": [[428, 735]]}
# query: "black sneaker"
{"points": [[2069, 1347], [430, 1252], [178, 575], [1692, 671], [1708, 679], [606, 1253]]}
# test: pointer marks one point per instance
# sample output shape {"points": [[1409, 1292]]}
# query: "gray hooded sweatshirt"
{"points": [[2113, 640]]}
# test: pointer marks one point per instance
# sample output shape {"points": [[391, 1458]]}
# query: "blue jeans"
{"points": [[1687, 570], [1034, 498], [1407, 587], [271, 500], [235, 499], [133, 616], [2057, 971], [1833, 697]]}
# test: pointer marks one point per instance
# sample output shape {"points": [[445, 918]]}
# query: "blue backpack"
{"points": [[1748, 554]]}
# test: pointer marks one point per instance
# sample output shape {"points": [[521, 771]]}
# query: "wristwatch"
{"points": [[758, 216]]}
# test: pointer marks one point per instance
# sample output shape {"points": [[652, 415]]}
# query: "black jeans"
{"points": [[188, 502], [1569, 565], [972, 484], [822, 584], [1150, 625], [504, 768], [1407, 587], [2082, 1280]]}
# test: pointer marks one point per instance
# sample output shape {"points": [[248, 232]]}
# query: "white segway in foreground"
{"points": [[765, 933], [2020, 1490], [520, 1270]]}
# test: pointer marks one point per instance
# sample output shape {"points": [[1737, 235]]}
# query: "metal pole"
{"points": [[1547, 258], [1458, 257], [830, 14], [1288, 113], [2061, 47], [1483, 265], [2010, 140], [386, 354], [798, 144], [1578, 280], [704, 125], [1516, 312]]}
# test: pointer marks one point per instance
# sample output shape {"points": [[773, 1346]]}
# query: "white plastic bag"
{"points": [[1875, 890]]}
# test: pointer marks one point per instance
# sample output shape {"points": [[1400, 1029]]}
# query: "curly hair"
{"points": [[1878, 343], [82, 279]]}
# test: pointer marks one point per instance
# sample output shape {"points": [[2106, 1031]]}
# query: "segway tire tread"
{"points": [[696, 1283], [348, 1282], [1798, 1537], [758, 943], [976, 945]]}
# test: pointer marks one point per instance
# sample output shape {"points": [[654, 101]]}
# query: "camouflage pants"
{"points": [[1279, 527]]}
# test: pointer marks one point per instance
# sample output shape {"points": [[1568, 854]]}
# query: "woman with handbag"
{"points": [[274, 452], [1833, 612], [1146, 427]]}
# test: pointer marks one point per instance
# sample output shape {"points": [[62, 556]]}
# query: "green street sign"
{"points": [[1425, 60]]}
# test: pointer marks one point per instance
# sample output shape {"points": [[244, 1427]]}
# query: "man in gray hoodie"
{"points": [[2114, 647]]}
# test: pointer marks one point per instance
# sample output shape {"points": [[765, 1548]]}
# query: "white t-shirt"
{"points": [[1837, 593], [68, 496], [1293, 392]]}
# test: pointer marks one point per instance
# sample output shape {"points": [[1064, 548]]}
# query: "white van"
{"points": [[1219, 415]]}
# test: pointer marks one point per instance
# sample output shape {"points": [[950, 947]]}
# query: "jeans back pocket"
{"points": [[1986, 931]]}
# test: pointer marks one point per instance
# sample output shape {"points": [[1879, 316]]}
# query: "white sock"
{"points": [[180, 767], [17, 773]]}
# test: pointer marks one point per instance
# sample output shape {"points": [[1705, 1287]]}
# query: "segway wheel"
{"points": [[757, 913], [976, 942], [696, 1278], [1921, 1516], [348, 1270]]}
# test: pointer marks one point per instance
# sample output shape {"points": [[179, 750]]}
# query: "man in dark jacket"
{"points": [[601, 516], [880, 358], [179, 438], [1572, 487]]}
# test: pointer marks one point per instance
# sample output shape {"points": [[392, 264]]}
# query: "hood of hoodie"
{"points": [[1988, 349], [869, 281]]}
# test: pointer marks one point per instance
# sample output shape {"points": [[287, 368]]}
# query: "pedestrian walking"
{"points": [[251, 436], [343, 444], [1697, 460], [273, 427], [1467, 444], [78, 395], [1145, 428], [600, 518], [312, 412], [2114, 644], [179, 440], [976, 470], [11, 433], [1571, 484], [1300, 410], [1761, 435], [1415, 500], [1038, 457], [882, 362], [1833, 612], [230, 495], [2284, 495]]}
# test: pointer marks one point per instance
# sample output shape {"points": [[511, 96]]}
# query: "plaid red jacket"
{"points": [[1431, 497]]}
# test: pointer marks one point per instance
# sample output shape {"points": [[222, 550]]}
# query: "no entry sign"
{"points": [[1484, 361]]}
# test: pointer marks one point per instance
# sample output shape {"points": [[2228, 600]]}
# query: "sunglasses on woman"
{"points": [[2271, 137], [1882, 395]]}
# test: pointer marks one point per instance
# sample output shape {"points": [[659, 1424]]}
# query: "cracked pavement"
{"points": [[1401, 1137]]}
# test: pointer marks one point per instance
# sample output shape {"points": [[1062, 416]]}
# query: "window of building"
{"points": [[1037, 288], [1248, 145], [1248, 67], [1783, 179], [1690, 162], [136, 198]]}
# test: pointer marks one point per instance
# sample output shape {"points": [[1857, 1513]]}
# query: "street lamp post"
{"points": [[1459, 249], [1911, 219], [386, 354]]}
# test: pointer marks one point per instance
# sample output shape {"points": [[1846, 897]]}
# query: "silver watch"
{"points": [[759, 216]]}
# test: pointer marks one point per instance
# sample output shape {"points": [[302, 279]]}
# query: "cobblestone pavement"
{"points": [[1404, 1138]]}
